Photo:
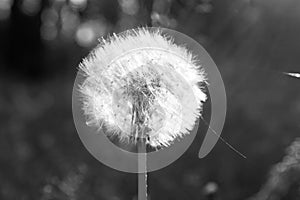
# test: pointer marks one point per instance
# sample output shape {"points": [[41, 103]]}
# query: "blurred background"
{"points": [[252, 42]]}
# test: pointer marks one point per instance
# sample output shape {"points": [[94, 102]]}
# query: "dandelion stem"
{"points": [[142, 167]]}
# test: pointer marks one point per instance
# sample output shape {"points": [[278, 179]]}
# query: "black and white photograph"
{"points": [[149, 99]]}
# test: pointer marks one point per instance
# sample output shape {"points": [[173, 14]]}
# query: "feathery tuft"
{"points": [[140, 84]]}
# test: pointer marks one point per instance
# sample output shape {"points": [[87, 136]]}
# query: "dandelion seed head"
{"points": [[140, 84]]}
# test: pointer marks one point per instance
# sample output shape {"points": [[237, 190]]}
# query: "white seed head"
{"points": [[142, 85]]}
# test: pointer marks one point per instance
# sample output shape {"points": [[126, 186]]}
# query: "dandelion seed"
{"points": [[142, 85], [296, 75]]}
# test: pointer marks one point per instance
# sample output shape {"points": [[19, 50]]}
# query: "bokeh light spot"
{"points": [[130, 7], [30, 7], [69, 20], [88, 32], [5, 6], [78, 4], [48, 31]]}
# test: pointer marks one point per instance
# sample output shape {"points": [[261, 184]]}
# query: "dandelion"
{"points": [[141, 85]]}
